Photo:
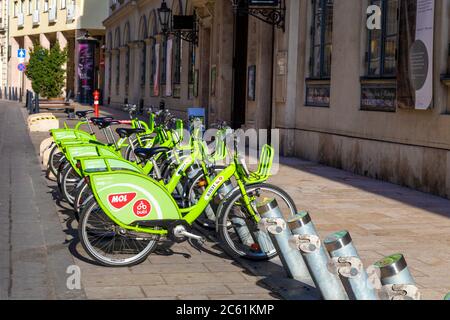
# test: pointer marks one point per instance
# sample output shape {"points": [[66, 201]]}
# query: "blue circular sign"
{"points": [[21, 67]]}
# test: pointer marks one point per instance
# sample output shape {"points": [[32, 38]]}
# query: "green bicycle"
{"points": [[122, 224]]}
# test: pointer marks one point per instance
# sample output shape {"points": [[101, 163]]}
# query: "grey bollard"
{"points": [[316, 257], [349, 267], [10, 93], [36, 103], [291, 258], [239, 224], [397, 281], [394, 270]]}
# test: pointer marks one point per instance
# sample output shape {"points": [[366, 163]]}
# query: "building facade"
{"points": [[47, 22], [4, 43], [333, 86]]}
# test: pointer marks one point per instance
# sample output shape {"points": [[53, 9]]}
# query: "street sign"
{"points": [[21, 67], [21, 53]]}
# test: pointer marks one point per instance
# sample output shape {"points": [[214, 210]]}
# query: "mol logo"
{"points": [[120, 200]]}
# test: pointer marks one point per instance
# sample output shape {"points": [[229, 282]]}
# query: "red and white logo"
{"points": [[120, 200], [142, 208]]}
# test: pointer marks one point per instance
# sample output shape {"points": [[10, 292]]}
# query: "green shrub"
{"points": [[46, 70]]}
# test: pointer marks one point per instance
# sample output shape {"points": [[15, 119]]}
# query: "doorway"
{"points": [[239, 70]]}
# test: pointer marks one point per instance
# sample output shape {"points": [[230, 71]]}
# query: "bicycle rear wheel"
{"points": [[109, 244]]}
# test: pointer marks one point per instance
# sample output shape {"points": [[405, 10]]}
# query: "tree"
{"points": [[46, 70]]}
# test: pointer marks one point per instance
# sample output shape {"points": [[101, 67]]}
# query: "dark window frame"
{"points": [[323, 6], [383, 37]]}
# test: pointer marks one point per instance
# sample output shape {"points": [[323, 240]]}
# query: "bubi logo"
{"points": [[142, 208], [120, 200]]}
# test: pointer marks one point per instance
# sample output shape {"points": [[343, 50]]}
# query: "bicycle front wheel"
{"points": [[238, 231]]}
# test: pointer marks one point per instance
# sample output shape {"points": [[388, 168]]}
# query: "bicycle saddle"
{"points": [[105, 122], [128, 132], [83, 114], [97, 120], [147, 153]]}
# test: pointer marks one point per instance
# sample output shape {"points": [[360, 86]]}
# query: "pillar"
{"points": [[123, 92], [63, 43], [27, 45], [13, 73], [107, 86]]}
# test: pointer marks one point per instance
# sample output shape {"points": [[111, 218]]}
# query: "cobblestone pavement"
{"points": [[38, 237]]}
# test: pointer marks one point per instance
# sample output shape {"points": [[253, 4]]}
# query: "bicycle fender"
{"points": [[129, 198]]}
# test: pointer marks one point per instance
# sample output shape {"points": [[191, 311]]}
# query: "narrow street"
{"points": [[38, 240]]}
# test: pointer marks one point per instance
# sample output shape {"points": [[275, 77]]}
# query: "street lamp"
{"points": [[164, 14], [182, 26]]}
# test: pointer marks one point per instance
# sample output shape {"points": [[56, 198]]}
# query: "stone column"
{"points": [[294, 79], [27, 45], [62, 41], [146, 94], [13, 73], [122, 76], [134, 89], [108, 83], [115, 55], [44, 41]]}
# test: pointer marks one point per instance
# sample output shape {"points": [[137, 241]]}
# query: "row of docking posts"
{"points": [[11, 93], [334, 265]]}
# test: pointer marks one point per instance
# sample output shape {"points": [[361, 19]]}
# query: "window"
{"points": [[379, 85], [321, 39], [45, 5], [127, 70], [177, 54], [63, 4], [30, 7], [143, 63], [16, 8], [163, 60], [318, 89], [118, 73], [155, 68], [191, 72], [382, 44]]}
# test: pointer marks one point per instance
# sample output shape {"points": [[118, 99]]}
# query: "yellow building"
{"points": [[47, 22]]}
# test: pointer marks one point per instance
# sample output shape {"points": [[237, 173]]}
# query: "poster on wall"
{"points": [[415, 69], [86, 71], [156, 74], [169, 68]]}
